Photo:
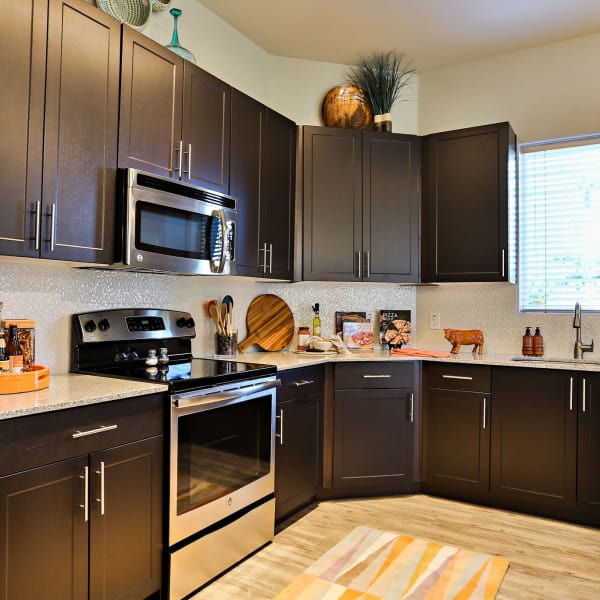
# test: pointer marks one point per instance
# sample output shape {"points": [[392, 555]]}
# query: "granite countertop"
{"points": [[71, 390]]}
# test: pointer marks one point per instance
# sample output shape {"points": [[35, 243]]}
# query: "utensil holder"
{"points": [[226, 345]]}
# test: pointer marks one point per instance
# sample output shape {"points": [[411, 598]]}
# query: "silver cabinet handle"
{"points": [[484, 411], [570, 393], [101, 499], [264, 251], [179, 150], [101, 429], [412, 408], [86, 491], [189, 161], [359, 261], [503, 268], [270, 258], [383, 376], [303, 382], [38, 224], [367, 264], [583, 407], [465, 377], [52, 226], [280, 434]]}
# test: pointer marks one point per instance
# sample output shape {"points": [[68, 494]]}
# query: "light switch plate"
{"points": [[435, 320]]}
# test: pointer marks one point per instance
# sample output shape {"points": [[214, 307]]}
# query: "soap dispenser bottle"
{"points": [[527, 348], [538, 343]]}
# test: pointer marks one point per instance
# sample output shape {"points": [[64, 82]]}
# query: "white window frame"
{"points": [[559, 225]]}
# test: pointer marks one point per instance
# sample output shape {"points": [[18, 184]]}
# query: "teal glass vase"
{"points": [[175, 46]]}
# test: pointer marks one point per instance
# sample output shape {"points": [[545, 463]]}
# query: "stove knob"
{"points": [[132, 355], [104, 325], [181, 322], [90, 326], [120, 356], [189, 323]]}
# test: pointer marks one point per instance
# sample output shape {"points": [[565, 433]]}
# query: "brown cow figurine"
{"points": [[457, 337]]}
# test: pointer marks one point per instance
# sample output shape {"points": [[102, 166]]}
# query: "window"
{"points": [[559, 225]]}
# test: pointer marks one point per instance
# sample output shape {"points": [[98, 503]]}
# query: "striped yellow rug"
{"points": [[373, 564]]}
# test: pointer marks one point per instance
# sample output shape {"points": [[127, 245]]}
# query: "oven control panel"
{"points": [[121, 325]]}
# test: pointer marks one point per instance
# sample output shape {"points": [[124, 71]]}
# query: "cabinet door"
{"points": [[151, 106], [298, 452], [206, 127], [466, 184], [44, 534], [534, 436], [278, 191], [126, 517], [391, 201], [588, 494], [247, 122], [80, 141], [22, 74], [456, 444], [332, 238], [373, 433]]}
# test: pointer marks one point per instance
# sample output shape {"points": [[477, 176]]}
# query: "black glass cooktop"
{"points": [[192, 374]]}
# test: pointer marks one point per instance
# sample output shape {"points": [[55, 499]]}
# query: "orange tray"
{"points": [[14, 383]]}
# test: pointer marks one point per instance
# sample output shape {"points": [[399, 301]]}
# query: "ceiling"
{"points": [[431, 33]]}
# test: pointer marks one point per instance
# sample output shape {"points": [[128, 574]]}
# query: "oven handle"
{"points": [[209, 401]]}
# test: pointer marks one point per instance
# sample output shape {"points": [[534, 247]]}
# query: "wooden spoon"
{"points": [[216, 317]]}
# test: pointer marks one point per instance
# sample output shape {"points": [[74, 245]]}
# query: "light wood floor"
{"points": [[549, 560]]}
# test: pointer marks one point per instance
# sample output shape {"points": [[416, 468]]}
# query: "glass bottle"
{"points": [[13, 350], [4, 362], [316, 321], [538, 343]]}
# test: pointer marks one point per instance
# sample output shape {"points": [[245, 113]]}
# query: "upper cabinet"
{"points": [[469, 189], [175, 117], [69, 132], [361, 205], [263, 151]]}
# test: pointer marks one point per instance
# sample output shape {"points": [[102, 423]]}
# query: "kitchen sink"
{"points": [[543, 359]]}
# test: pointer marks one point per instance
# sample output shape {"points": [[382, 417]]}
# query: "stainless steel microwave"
{"points": [[171, 227]]}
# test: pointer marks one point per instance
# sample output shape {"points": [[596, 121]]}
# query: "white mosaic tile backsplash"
{"points": [[51, 292]]}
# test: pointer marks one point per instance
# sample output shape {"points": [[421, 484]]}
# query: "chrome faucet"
{"points": [[580, 347]]}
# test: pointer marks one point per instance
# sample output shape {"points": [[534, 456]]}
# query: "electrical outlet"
{"points": [[435, 320]]}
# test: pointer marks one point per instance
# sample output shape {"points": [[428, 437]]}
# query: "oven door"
{"points": [[222, 454]]}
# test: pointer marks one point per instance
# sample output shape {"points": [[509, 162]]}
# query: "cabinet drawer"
{"points": [[37, 440], [300, 382], [459, 377], [374, 375]]}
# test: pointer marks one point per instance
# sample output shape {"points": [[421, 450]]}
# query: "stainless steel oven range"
{"points": [[221, 429]]}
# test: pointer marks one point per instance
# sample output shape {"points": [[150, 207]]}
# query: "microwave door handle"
{"points": [[223, 222]]}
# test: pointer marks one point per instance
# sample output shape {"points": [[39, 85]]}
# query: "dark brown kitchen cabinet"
{"points": [[588, 467], [262, 179], [534, 437], [175, 117], [74, 50], [86, 510], [375, 418], [361, 205], [456, 429], [298, 441], [469, 187]]}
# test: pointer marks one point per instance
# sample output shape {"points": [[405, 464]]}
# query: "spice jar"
{"points": [[26, 337]]}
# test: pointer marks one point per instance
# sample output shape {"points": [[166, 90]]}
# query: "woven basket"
{"points": [[160, 4], [133, 12]]}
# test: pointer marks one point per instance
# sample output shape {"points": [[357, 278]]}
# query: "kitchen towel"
{"points": [[375, 564]]}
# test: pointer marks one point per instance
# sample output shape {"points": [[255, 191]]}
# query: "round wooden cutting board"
{"points": [[270, 323]]}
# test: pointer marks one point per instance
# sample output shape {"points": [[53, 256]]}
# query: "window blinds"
{"points": [[559, 225]]}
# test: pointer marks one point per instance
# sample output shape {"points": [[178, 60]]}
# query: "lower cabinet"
{"points": [[456, 429], [588, 449], [88, 522], [298, 442], [374, 427]]}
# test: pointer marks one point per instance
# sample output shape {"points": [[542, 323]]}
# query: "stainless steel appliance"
{"points": [[221, 426], [173, 227]]}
